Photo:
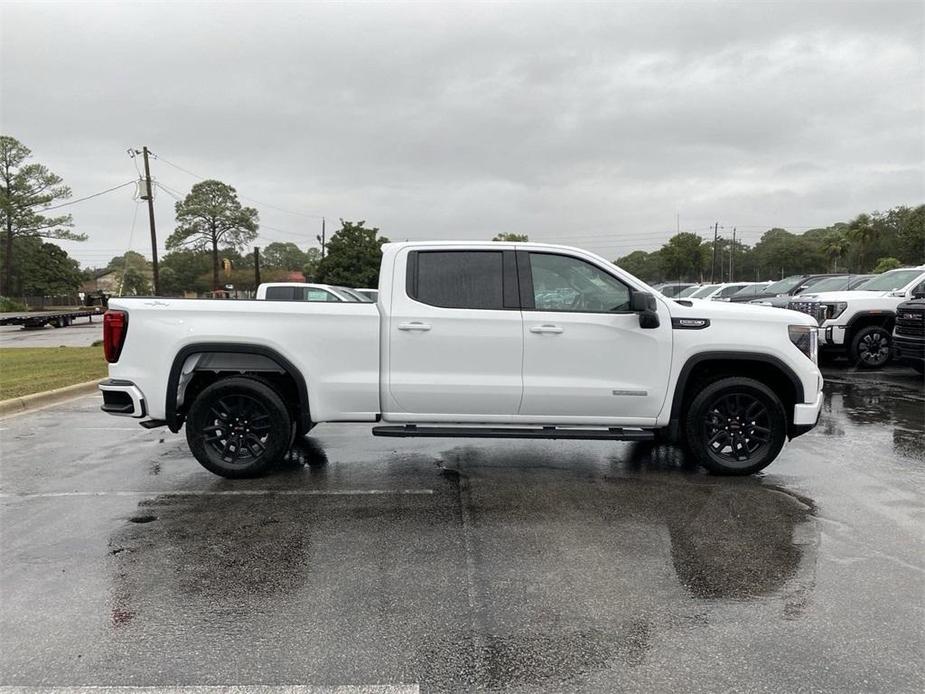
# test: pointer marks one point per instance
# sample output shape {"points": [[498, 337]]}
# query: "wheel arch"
{"points": [[766, 368], [263, 359], [863, 319]]}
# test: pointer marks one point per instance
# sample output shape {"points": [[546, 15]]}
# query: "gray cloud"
{"points": [[576, 123]]}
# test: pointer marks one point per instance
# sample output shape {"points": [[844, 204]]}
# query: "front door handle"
{"points": [[541, 329], [414, 325]]}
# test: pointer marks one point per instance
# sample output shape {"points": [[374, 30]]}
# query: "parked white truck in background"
{"points": [[514, 340], [860, 322]]}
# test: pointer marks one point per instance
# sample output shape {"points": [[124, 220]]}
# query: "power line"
{"points": [[243, 197], [95, 195]]}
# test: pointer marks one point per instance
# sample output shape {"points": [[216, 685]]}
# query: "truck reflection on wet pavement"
{"points": [[526, 566]]}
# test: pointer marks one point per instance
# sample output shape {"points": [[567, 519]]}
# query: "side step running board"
{"points": [[611, 434]]}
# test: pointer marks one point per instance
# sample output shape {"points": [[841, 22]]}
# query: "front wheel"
{"points": [[736, 426], [871, 346], [238, 427]]}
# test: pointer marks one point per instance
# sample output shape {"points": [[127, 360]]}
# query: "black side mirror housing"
{"points": [[647, 308]]}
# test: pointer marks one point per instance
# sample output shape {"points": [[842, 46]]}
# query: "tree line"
{"points": [[871, 242]]}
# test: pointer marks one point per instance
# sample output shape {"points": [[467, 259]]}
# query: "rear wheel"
{"points": [[871, 346], [736, 426], [238, 427]]}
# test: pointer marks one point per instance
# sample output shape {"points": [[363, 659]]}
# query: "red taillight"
{"points": [[115, 327]]}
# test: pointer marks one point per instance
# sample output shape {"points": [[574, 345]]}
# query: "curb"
{"points": [[49, 397]]}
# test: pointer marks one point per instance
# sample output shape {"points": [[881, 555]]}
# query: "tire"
{"points": [[751, 443], [871, 347], [238, 427]]}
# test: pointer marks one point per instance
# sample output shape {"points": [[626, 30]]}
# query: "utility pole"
{"points": [[256, 267], [150, 192], [713, 265], [732, 256], [321, 238]]}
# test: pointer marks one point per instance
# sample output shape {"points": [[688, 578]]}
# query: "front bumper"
{"points": [[122, 398], [832, 336], [909, 350], [805, 416]]}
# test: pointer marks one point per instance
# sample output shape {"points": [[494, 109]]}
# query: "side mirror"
{"points": [[646, 306], [642, 301]]}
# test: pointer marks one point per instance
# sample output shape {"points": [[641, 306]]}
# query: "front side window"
{"points": [[457, 279], [561, 283]]}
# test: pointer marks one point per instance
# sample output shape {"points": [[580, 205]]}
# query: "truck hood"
{"points": [[744, 313], [844, 296]]}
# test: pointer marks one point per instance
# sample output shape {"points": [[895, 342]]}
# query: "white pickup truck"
{"points": [[514, 340], [860, 321]]}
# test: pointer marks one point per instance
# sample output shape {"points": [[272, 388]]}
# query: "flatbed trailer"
{"points": [[59, 319]]}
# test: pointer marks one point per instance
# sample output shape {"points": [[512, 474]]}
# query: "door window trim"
{"points": [[510, 299], [528, 299]]}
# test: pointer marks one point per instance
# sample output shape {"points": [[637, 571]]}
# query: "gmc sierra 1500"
{"points": [[516, 340]]}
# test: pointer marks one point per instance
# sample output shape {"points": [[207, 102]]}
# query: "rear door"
{"points": [[585, 355], [455, 336]]}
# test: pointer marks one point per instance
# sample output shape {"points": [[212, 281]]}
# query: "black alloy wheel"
{"points": [[239, 430], [735, 426], [871, 347], [238, 426]]}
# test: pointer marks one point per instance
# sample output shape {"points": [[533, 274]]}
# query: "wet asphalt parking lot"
{"points": [[439, 565]]}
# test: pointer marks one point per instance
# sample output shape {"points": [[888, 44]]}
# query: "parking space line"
{"points": [[222, 492], [139, 428], [224, 689]]}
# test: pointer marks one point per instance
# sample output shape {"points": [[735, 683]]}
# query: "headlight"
{"points": [[806, 339], [836, 309]]}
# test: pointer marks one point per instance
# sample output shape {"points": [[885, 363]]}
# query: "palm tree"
{"points": [[863, 232], [835, 245]]}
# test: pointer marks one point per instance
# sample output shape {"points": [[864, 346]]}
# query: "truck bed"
{"points": [[335, 345]]}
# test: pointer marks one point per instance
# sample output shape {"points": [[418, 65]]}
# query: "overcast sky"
{"points": [[592, 125]]}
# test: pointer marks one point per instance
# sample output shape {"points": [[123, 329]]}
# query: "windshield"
{"points": [[889, 281], [688, 291], [784, 286], [703, 291], [830, 284], [752, 290], [352, 296]]}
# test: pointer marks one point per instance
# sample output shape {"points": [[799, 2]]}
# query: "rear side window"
{"points": [[459, 279]]}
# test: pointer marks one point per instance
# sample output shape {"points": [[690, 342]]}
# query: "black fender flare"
{"points": [[175, 420], [674, 426], [881, 316]]}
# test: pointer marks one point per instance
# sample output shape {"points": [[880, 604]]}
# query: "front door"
{"points": [[585, 356], [455, 337]]}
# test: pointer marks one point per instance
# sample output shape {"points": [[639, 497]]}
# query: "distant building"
{"points": [[104, 281]]}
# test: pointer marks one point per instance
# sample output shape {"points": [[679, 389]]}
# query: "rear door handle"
{"points": [[552, 329], [414, 325]]}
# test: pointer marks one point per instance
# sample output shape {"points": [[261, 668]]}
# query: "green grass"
{"points": [[27, 370]]}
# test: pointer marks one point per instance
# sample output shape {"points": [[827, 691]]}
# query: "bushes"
{"points": [[7, 305]]}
